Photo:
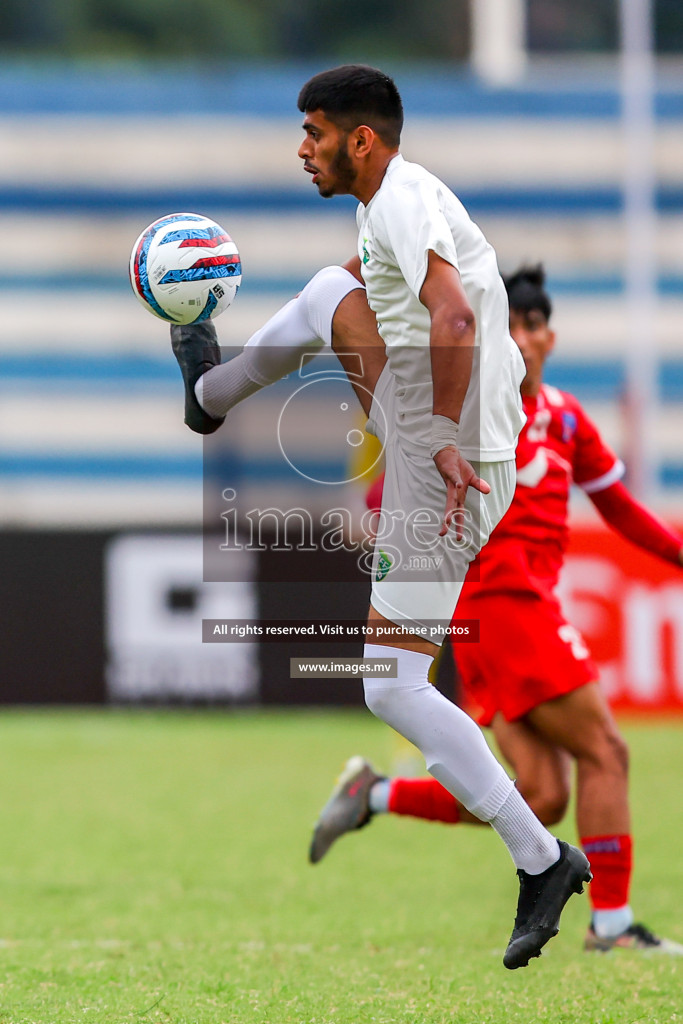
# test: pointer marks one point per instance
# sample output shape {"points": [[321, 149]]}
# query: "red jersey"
{"points": [[558, 446]]}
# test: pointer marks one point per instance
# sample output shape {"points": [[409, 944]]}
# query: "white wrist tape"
{"points": [[444, 433]]}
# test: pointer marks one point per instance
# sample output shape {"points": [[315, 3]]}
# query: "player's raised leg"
{"points": [[302, 327]]}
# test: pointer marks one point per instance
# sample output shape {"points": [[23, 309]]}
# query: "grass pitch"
{"points": [[153, 869]]}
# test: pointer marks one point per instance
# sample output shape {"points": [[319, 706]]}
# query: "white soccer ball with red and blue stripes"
{"points": [[185, 268]]}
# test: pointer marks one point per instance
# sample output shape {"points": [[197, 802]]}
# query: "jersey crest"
{"points": [[384, 564], [569, 424]]}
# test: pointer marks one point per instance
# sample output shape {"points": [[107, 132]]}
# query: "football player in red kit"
{"points": [[531, 673]]}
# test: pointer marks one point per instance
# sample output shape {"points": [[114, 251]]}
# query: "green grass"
{"points": [[153, 869]]}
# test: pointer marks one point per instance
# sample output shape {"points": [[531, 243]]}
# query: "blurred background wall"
{"points": [[114, 114]]}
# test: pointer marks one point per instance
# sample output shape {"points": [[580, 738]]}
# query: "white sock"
{"points": [[225, 389], [378, 797], [457, 755], [532, 848], [607, 924], [302, 327]]}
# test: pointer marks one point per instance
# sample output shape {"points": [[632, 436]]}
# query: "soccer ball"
{"points": [[185, 268]]}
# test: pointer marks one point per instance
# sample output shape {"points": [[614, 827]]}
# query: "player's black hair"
{"points": [[356, 94], [526, 290]]}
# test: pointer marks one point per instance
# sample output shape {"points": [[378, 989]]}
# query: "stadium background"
{"points": [[103, 129]]}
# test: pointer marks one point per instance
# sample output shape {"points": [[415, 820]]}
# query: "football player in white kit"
{"points": [[447, 407]]}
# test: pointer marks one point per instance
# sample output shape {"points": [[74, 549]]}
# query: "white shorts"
{"points": [[417, 576]]}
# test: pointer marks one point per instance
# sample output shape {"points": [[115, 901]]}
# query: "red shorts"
{"points": [[527, 654]]}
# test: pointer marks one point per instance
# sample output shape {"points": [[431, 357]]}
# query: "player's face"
{"points": [[535, 339], [325, 154]]}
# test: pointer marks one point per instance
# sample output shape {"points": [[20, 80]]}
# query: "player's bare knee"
{"points": [[607, 752], [619, 748], [611, 749]]}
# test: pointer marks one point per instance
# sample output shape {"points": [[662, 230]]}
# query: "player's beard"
{"points": [[342, 173]]}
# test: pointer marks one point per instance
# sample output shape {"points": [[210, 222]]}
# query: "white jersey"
{"points": [[411, 213]]}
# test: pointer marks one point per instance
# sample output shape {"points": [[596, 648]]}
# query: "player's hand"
{"points": [[458, 475]]}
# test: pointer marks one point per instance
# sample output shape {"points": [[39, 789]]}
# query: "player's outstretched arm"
{"points": [[451, 341], [635, 522]]}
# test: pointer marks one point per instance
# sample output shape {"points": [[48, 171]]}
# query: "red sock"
{"points": [[423, 798], [611, 860]]}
